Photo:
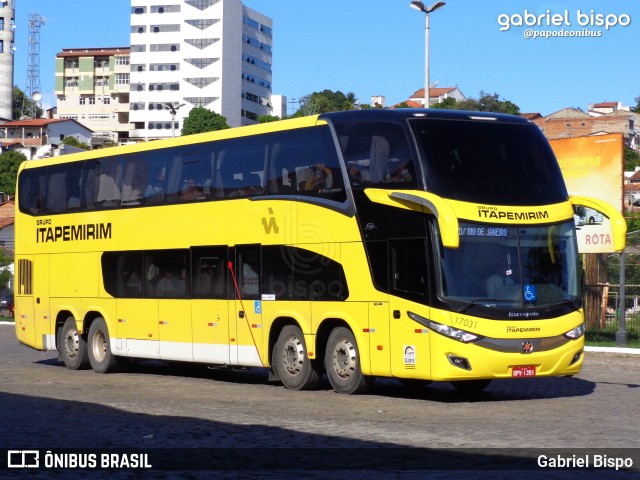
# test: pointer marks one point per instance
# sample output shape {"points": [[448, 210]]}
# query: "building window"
{"points": [[138, 10], [164, 9], [202, 24], [122, 79], [122, 60], [201, 62], [201, 43], [71, 82], [82, 101], [164, 67], [92, 100], [200, 101], [164, 28], [164, 47], [201, 82], [106, 100], [138, 48], [201, 4]]}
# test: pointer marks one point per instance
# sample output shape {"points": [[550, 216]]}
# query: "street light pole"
{"points": [[173, 109], [418, 5]]}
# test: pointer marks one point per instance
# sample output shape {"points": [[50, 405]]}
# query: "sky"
{"points": [[376, 47]]}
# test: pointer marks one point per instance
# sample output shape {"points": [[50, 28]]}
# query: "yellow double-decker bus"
{"points": [[416, 244]]}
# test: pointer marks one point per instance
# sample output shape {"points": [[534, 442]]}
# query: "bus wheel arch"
{"points": [[99, 347], [290, 362], [342, 362], [71, 344]]}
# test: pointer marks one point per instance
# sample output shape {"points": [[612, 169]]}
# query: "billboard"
{"points": [[593, 166]]}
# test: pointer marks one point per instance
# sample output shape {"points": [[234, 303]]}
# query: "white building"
{"points": [[7, 49], [214, 54]]}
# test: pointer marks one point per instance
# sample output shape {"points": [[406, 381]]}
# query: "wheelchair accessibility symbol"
{"points": [[530, 294], [257, 307]]}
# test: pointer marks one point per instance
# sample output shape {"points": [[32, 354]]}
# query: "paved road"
{"points": [[237, 420]]}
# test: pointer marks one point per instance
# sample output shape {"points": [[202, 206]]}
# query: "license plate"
{"points": [[523, 371]]}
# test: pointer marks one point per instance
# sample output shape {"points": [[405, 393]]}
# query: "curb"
{"points": [[630, 351]]}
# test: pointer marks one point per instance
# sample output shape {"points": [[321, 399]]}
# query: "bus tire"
{"points": [[294, 367], [342, 363], [72, 346], [99, 347], [470, 386]]}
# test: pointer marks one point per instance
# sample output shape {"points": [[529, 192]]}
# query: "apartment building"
{"points": [[215, 54], [92, 88]]}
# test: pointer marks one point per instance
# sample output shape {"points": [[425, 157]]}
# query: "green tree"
{"points": [[268, 118], [9, 164], [202, 120], [448, 103], [74, 142], [326, 101], [485, 103], [6, 259], [20, 100], [631, 159]]}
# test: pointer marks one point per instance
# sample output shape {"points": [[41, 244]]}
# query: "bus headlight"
{"points": [[576, 332], [454, 333]]}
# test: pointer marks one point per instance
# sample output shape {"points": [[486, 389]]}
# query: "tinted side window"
{"points": [[241, 167], [209, 272], [153, 274], [32, 186], [376, 153], [300, 274], [304, 162]]}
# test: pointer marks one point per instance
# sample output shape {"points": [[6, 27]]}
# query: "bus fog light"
{"points": [[576, 357], [576, 332], [459, 362]]}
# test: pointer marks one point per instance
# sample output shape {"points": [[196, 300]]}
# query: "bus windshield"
{"points": [[488, 162], [511, 268]]}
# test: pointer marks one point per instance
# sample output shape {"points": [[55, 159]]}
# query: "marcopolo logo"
{"points": [[581, 23]]}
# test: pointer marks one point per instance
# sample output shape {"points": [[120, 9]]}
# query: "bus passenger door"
{"points": [[246, 320], [410, 351], [210, 305]]}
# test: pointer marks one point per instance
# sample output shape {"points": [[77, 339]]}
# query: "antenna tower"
{"points": [[30, 109]]}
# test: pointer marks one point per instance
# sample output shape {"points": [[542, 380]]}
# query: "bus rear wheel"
{"points": [[294, 367], [100, 356], [72, 347], [342, 362]]}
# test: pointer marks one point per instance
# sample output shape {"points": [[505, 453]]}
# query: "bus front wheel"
{"points": [[100, 356], [72, 346], [342, 362], [295, 370]]}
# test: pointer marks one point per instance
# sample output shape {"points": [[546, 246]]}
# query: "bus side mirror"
{"points": [[600, 227], [422, 202]]}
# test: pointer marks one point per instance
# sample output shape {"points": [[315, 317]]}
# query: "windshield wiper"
{"points": [[478, 301]]}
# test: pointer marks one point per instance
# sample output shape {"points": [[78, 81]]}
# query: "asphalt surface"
{"points": [[195, 422]]}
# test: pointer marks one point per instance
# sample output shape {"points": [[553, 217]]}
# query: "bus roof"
{"points": [[399, 114], [367, 115]]}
